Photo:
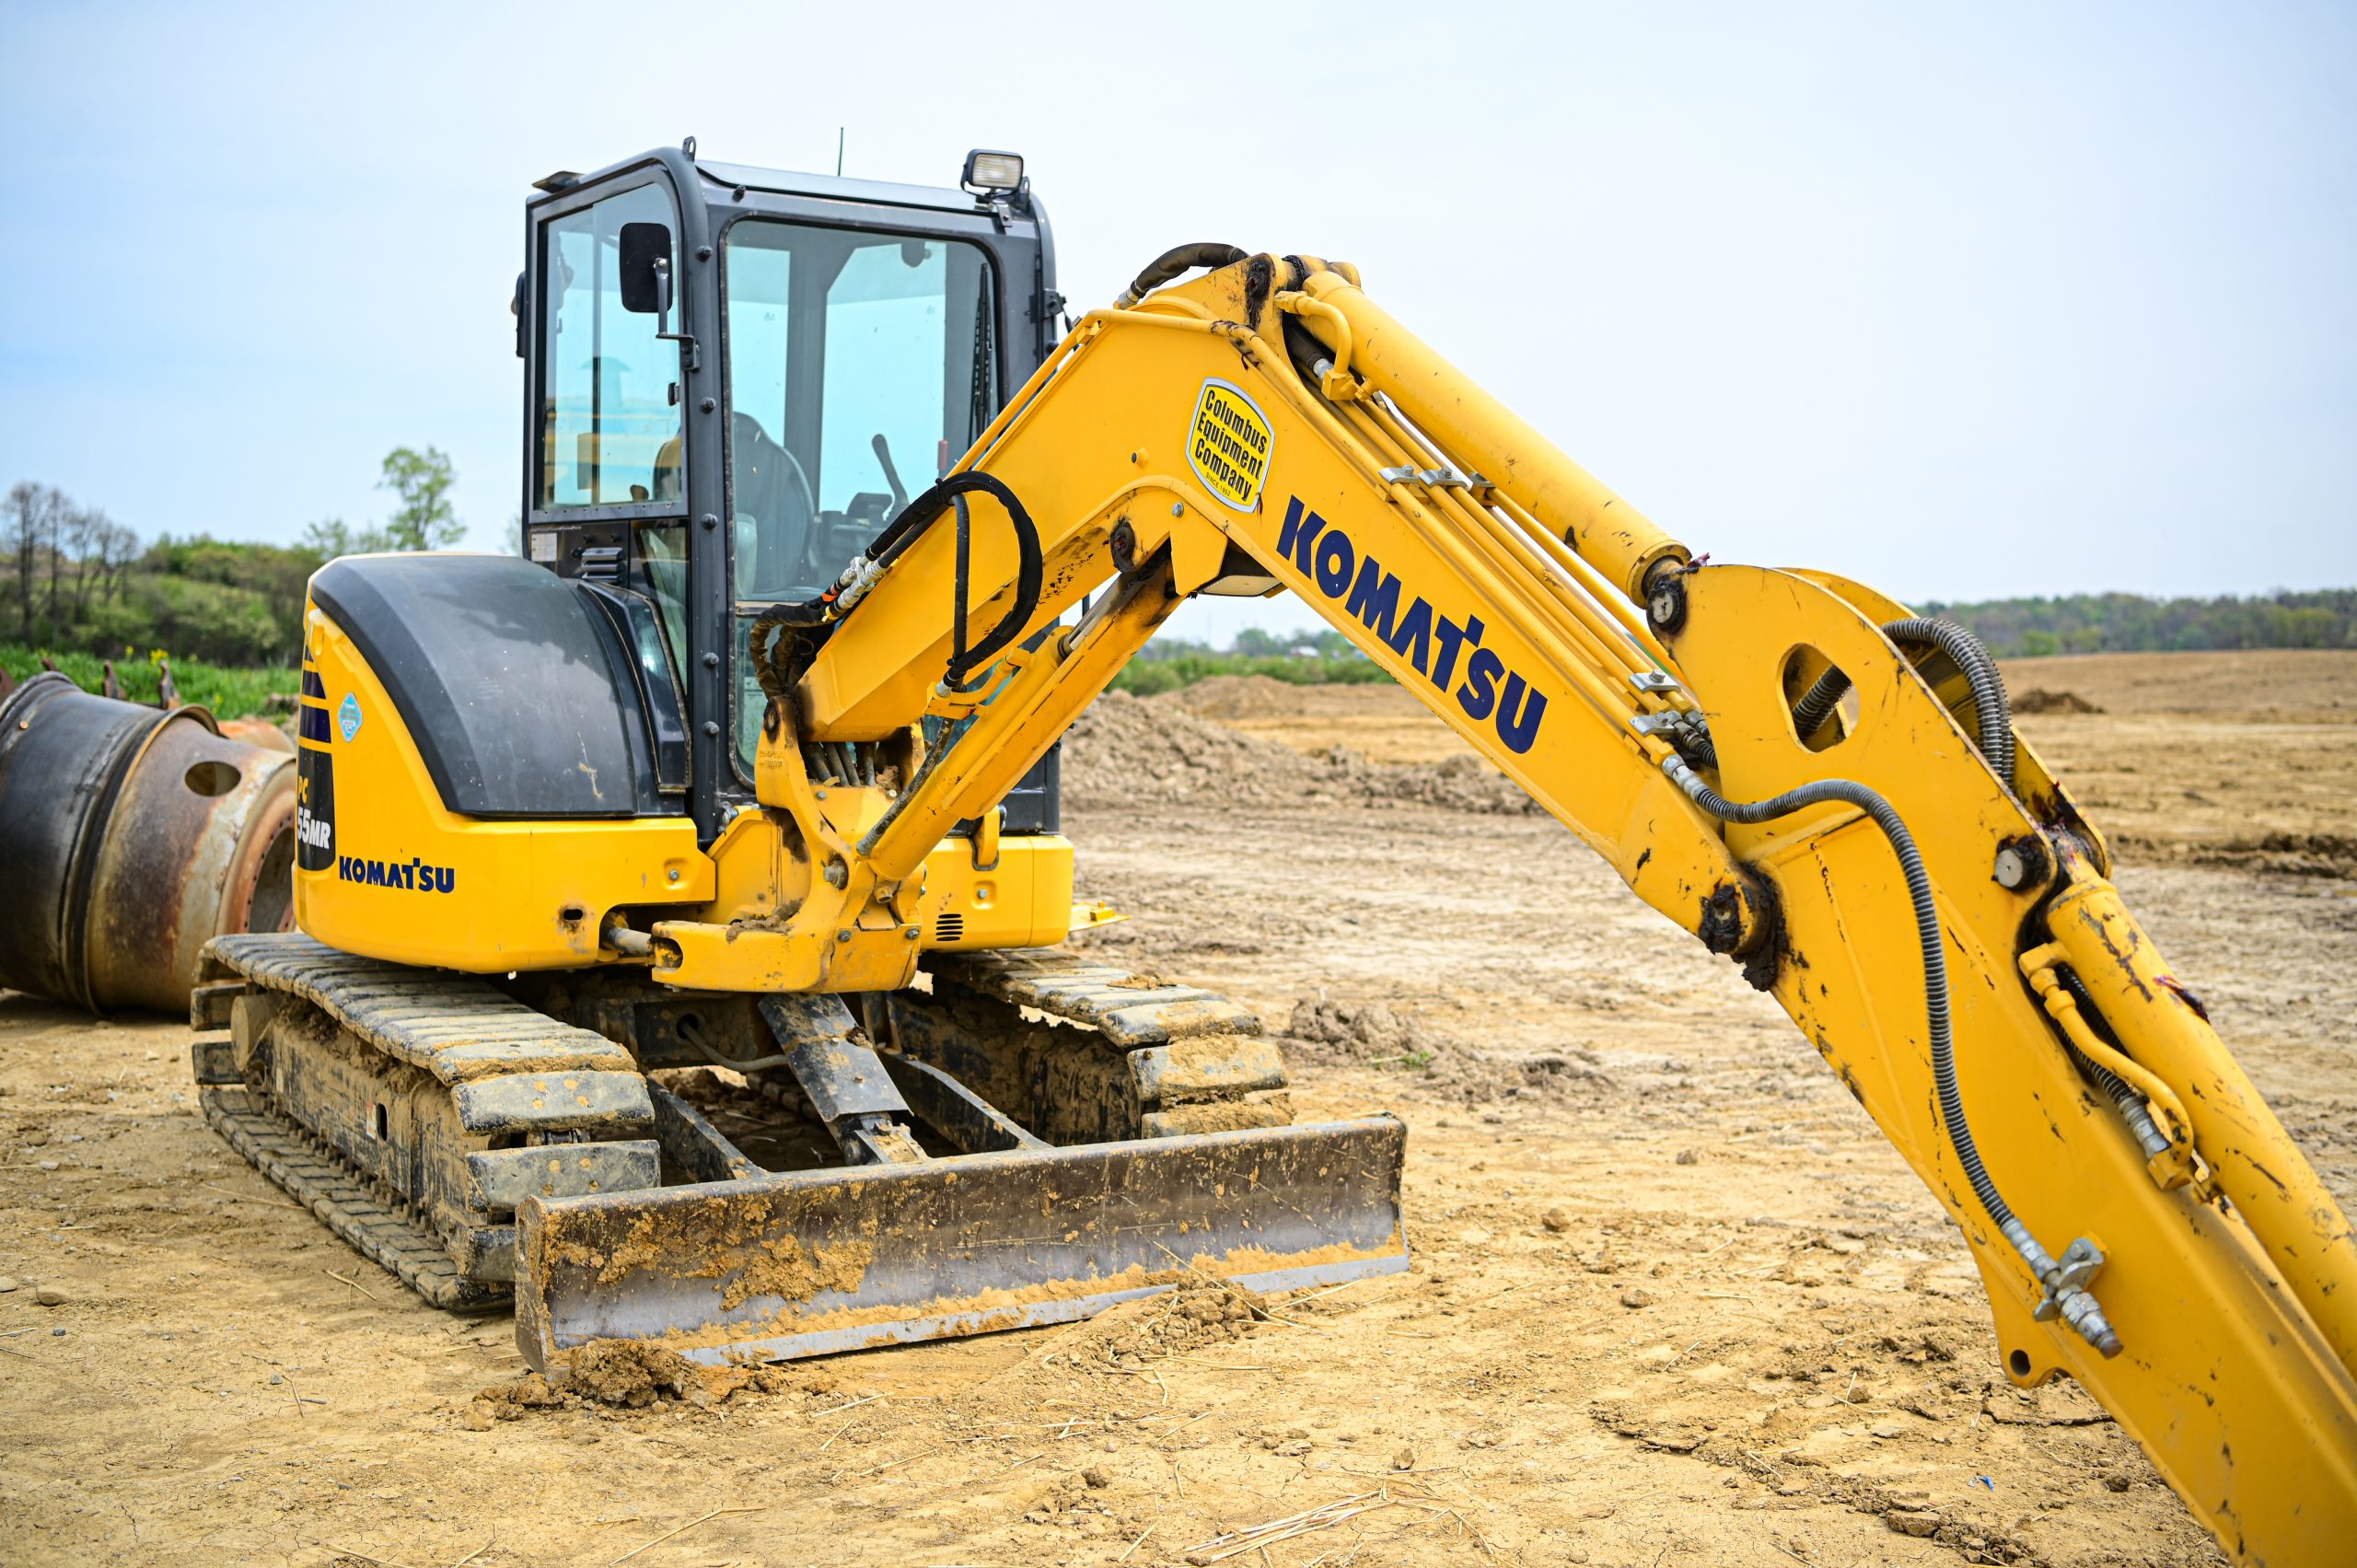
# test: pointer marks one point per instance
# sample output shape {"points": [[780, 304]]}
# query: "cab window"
{"points": [[609, 401], [855, 360], [860, 366]]}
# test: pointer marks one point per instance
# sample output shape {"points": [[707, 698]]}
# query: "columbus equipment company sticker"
{"points": [[1230, 445]]}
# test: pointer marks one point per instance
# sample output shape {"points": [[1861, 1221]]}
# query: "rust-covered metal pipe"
{"points": [[128, 839]]}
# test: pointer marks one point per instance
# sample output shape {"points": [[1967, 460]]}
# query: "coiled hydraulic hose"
{"points": [[2078, 1306], [1172, 262], [1989, 701], [904, 530]]}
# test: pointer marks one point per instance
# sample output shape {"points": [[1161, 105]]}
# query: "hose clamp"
{"points": [[2068, 1297], [852, 586], [1689, 733]]}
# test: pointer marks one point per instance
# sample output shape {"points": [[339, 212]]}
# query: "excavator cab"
{"points": [[738, 376]]}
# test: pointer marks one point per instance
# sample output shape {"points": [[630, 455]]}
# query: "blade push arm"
{"points": [[2140, 1219]]}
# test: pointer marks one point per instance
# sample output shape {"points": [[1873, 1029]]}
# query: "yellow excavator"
{"points": [[748, 757]]}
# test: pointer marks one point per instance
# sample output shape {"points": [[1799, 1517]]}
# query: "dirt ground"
{"points": [[1675, 1301]]}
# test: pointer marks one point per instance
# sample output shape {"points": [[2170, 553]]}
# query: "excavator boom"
{"points": [[1784, 763]]}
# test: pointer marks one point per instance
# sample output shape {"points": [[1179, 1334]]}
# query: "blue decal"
{"points": [[347, 717], [1431, 643], [415, 875]]}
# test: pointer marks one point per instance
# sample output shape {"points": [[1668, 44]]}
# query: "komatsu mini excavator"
{"points": [[748, 758]]}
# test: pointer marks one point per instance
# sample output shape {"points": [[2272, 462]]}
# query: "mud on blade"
{"points": [[807, 1263]]}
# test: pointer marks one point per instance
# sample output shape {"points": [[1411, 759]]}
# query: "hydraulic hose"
{"points": [[1816, 705], [902, 532], [2132, 1105], [1989, 701], [694, 1037], [2082, 1312], [1172, 262]]}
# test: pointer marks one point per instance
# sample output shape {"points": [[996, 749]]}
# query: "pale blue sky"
{"points": [[1960, 300]]}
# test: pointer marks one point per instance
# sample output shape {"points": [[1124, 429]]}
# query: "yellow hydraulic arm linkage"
{"points": [[1783, 763]]}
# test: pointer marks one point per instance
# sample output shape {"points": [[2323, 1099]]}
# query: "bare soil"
{"points": [[2231, 759], [1674, 1300]]}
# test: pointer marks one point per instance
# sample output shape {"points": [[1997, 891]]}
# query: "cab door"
{"points": [[605, 460]]}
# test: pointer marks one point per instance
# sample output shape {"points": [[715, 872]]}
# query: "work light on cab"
{"points": [[993, 171]]}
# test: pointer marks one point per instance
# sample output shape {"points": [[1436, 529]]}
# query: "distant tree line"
{"points": [[1255, 643], [72, 580], [2013, 628], [1302, 659], [2131, 624]]}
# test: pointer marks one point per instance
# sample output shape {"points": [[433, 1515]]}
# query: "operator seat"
{"points": [[773, 508]]}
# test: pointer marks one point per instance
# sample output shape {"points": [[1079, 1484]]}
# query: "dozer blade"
{"points": [[813, 1263]]}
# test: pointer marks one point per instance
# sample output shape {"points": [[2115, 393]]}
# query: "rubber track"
{"points": [[455, 1026], [277, 1146], [1130, 1010]]}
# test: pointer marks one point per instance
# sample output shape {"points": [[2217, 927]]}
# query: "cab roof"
{"points": [[835, 187]]}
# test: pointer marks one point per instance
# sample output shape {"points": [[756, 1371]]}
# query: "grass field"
{"points": [[230, 694]]}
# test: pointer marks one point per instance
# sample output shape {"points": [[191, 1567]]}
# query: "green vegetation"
{"points": [[82, 586], [2013, 628], [74, 580], [230, 694], [211, 600], [423, 521], [2126, 623], [421, 480], [1322, 658]]}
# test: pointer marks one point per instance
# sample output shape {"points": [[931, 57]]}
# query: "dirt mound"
{"points": [[1237, 697], [1199, 1313], [2235, 681], [1367, 1031], [2307, 854], [1124, 752], [2038, 699], [2294, 855], [631, 1375], [1376, 1034], [1454, 784], [629, 1372]]}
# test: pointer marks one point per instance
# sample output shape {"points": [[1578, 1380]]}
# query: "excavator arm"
{"points": [[1784, 763]]}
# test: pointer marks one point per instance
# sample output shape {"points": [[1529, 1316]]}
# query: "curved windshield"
{"points": [[855, 360], [860, 366]]}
